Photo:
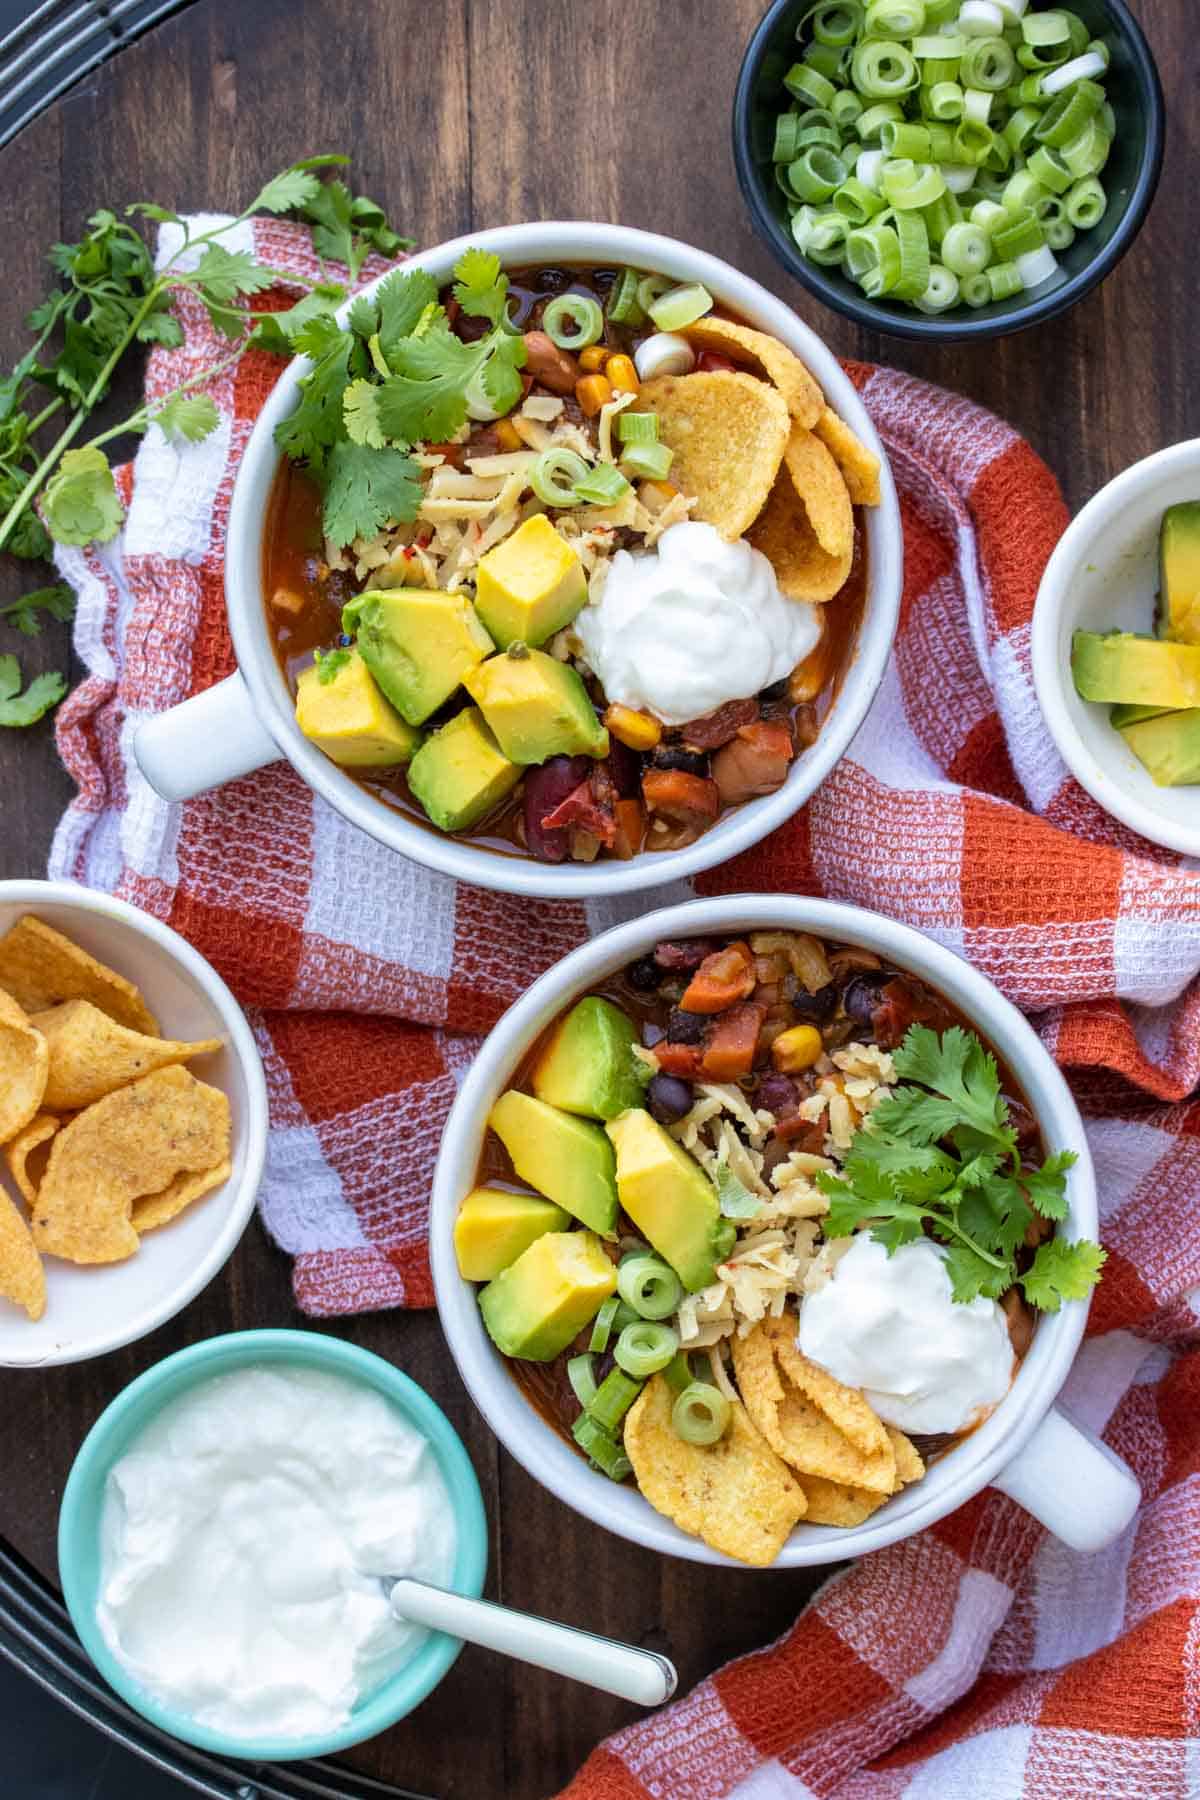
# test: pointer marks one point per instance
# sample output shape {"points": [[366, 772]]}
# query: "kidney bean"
{"points": [[668, 1098], [546, 788], [652, 1034], [778, 1095], [684, 953], [1020, 1321], [814, 1007], [716, 728], [625, 767], [556, 369], [686, 1027]]}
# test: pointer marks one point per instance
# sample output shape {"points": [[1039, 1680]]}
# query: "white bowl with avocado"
{"points": [[1124, 710]]}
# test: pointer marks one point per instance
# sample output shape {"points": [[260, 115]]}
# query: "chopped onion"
{"points": [[666, 353]]}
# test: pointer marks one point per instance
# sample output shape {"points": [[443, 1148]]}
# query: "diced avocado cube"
{"points": [[537, 706], [588, 1065], [459, 774], [1120, 667], [561, 1156], [1169, 747], [494, 1227], [417, 644], [539, 1303], [670, 1199], [1179, 571], [529, 586], [1133, 715], [342, 711]]}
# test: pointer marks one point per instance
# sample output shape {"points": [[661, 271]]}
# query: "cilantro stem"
{"points": [[947, 1223]]}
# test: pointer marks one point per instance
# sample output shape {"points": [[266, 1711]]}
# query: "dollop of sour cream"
{"points": [[242, 1541], [695, 622], [890, 1326]]}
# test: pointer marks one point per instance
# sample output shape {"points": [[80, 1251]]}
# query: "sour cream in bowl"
{"points": [[227, 1531]]}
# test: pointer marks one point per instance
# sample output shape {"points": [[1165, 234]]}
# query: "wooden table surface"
{"points": [[460, 115]]}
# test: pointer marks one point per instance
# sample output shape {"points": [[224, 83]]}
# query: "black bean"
{"points": [[686, 1027], [668, 1098], [652, 1034], [672, 756], [626, 767], [815, 1007], [861, 997], [643, 975]]}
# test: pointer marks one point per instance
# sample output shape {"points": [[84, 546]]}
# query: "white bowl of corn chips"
{"points": [[133, 1117]]}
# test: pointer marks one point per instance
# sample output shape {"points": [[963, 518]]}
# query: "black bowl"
{"points": [[1130, 178]]}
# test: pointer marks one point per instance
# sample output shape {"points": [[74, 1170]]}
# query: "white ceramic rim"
{"points": [[535, 1444], [241, 1041], [1051, 673], [569, 241]]}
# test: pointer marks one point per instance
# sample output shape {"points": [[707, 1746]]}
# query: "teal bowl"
{"points": [[127, 1417]]}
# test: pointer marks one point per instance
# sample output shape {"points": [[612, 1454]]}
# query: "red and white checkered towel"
{"points": [[981, 1657]]}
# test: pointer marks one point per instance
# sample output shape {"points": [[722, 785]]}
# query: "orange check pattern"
{"points": [[982, 1657]]}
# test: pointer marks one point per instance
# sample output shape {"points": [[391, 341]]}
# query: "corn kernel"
{"points": [[796, 1049], [507, 435], [636, 730], [592, 392], [592, 360], [621, 372]]}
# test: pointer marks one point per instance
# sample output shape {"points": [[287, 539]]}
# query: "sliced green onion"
{"points": [[999, 157], [1022, 234], [895, 18], [941, 142], [938, 48], [1048, 167], [678, 1372], [972, 140], [1046, 30], [857, 202], [1004, 280], [980, 18], [826, 59], [904, 140], [645, 1282], [977, 104], [915, 260], [958, 179], [582, 1377], [1088, 153], [700, 1414], [837, 23], [946, 101], [1021, 127], [784, 150], [1068, 114], [602, 486], [1060, 234], [602, 1325], [623, 308], [941, 217], [1087, 204], [614, 1397], [647, 462], [1023, 191], [881, 69], [637, 427], [988, 63], [873, 258], [601, 1447], [1081, 68], [941, 291], [846, 107], [966, 249], [808, 84], [645, 1348], [872, 121], [1029, 91], [573, 321], [869, 168], [681, 306], [1098, 47], [1037, 266], [908, 185], [553, 476], [934, 72], [650, 289], [817, 128], [826, 242], [976, 290], [815, 175]]}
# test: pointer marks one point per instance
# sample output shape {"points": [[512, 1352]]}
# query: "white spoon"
{"points": [[638, 1675]]}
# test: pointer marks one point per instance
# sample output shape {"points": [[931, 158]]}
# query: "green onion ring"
{"points": [[909, 185], [808, 84], [946, 102], [1060, 234], [966, 249], [881, 69], [895, 18], [976, 290], [573, 321], [645, 1282], [602, 1324], [837, 23], [1004, 280], [614, 1397], [1087, 204], [645, 1348], [700, 1414], [623, 308], [581, 1374], [941, 291], [601, 1448], [988, 62], [554, 474], [915, 259]]}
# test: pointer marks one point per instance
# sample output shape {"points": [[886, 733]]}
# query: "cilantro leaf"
{"points": [[959, 1069], [329, 211], [20, 709], [971, 1278], [277, 331], [56, 602], [363, 318], [996, 1216], [425, 400], [290, 191], [402, 299], [480, 287], [329, 665], [735, 1198], [361, 411], [501, 372], [915, 1116], [368, 489], [192, 417], [222, 275], [1063, 1271], [161, 327], [317, 423], [81, 502], [1047, 1186]]}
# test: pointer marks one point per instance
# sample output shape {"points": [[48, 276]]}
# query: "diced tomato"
{"points": [[692, 799], [680, 1059], [580, 808], [734, 1041], [802, 1134], [721, 981], [453, 454], [716, 728], [709, 360], [631, 827]]}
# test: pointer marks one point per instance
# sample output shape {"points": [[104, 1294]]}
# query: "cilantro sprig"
{"points": [[109, 299], [393, 376], [941, 1155]]}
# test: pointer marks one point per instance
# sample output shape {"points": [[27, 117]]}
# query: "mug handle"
{"points": [[1075, 1485], [204, 742]]}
